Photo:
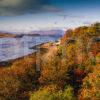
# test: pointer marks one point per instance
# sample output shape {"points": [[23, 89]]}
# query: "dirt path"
{"points": [[52, 49]]}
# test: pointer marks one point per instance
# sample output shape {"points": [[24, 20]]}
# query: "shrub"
{"points": [[53, 71], [17, 78], [44, 94], [9, 87], [91, 86]]}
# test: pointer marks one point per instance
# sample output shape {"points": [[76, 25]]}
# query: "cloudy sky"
{"points": [[27, 15]]}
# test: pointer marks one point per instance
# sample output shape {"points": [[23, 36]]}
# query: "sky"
{"points": [[29, 15]]}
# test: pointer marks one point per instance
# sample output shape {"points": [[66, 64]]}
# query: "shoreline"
{"points": [[39, 49], [10, 61]]}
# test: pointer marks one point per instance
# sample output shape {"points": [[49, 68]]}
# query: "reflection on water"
{"points": [[11, 48]]}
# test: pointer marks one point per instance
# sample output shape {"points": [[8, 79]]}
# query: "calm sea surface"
{"points": [[11, 48]]}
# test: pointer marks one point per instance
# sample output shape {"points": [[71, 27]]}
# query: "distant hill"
{"points": [[57, 33], [4, 34], [46, 32]]}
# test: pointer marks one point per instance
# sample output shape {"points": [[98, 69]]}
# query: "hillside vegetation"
{"points": [[66, 71]]}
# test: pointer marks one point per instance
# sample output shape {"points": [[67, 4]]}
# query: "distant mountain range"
{"points": [[47, 32], [57, 33]]}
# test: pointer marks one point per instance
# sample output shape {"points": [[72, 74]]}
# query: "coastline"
{"points": [[39, 49]]}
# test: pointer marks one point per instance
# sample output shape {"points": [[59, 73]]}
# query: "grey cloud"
{"points": [[19, 7]]}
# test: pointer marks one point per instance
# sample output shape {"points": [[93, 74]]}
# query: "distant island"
{"points": [[3, 34], [57, 33]]}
